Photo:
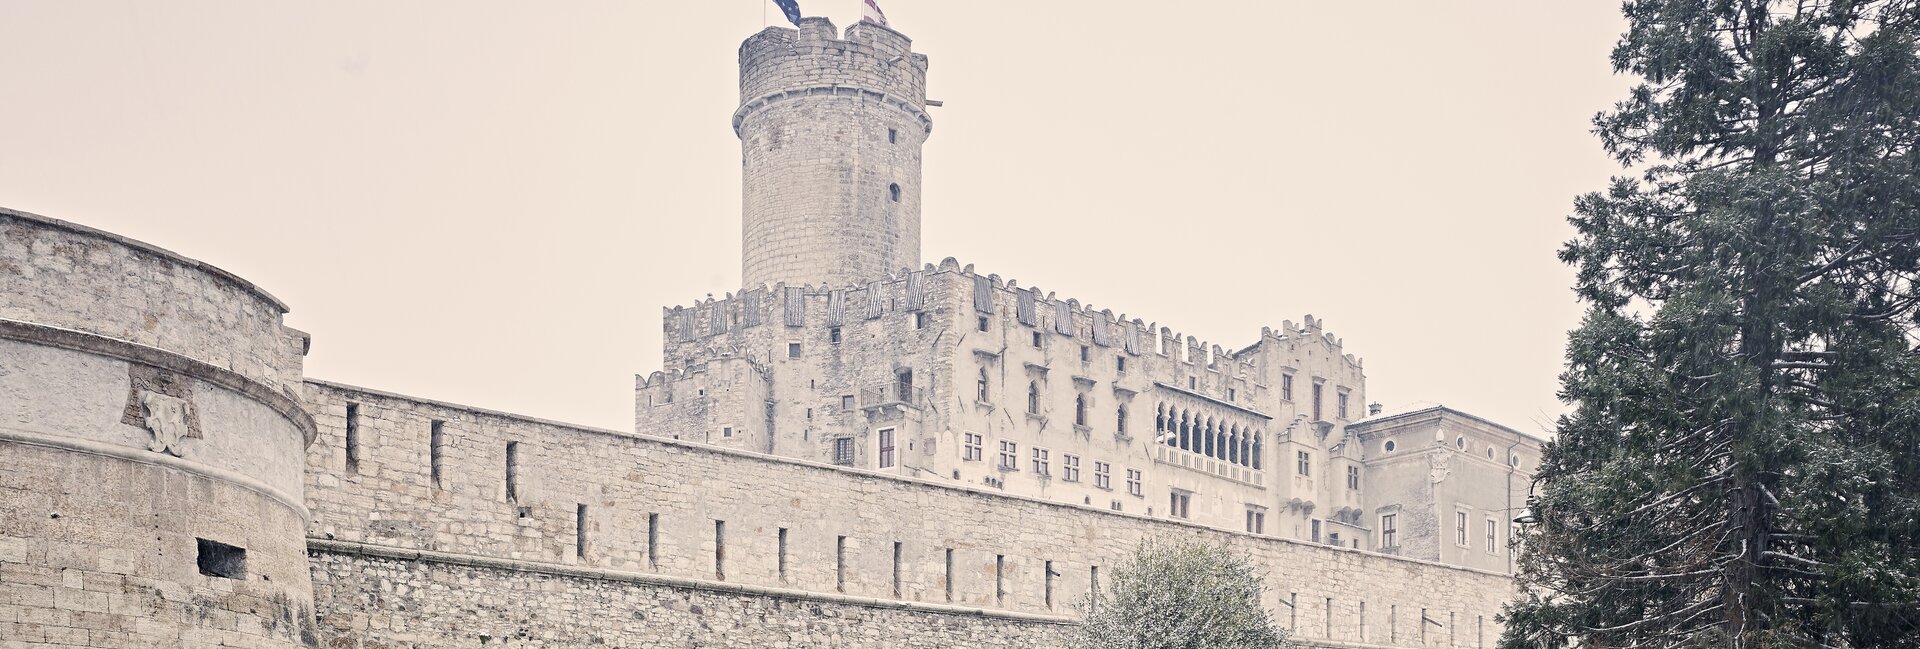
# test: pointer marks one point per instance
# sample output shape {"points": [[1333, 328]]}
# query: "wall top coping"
{"points": [[75, 228], [1435, 412], [697, 447]]}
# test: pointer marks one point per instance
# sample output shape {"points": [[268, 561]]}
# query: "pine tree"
{"points": [[1179, 595], [1742, 461]]}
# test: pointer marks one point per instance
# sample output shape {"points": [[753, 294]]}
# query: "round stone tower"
{"points": [[153, 448], [830, 134]]}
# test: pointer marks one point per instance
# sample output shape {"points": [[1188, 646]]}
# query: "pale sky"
{"points": [[489, 202]]}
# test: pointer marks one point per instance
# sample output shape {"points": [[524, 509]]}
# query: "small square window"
{"points": [[846, 402], [218, 559], [919, 319], [983, 323], [833, 335], [726, 432], [793, 350]]}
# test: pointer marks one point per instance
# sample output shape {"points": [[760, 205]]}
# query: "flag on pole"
{"points": [[791, 8], [870, 13]]}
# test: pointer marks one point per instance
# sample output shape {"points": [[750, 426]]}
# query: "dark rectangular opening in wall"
{"points": [[1093, 588], [949, 574], [896, 569], [653, 541], [840, 564], [437, 453], [513, 471], [580, 532], [783, 555], [218, 559], [1049, 585], [353, 437], [720, 550], [999, 579], [1328, 631]]}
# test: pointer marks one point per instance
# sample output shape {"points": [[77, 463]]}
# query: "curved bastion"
{"points": [[154, 447]]}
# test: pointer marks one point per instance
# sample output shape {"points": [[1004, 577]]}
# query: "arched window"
{"points": [[1206, 441], [1233, 445], [1246, 448], [1220, 439], [1120, 420], [1257, 449], [981, 389], [1160, 426], [1033, 397], [1080, 410], [1186, 432], [893, 192]]}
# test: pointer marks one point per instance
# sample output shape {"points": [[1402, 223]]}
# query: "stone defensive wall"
{"points": [[445, 525], [153, 449]]}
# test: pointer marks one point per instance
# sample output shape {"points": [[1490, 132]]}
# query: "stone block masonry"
{"points": [[810, 550]]}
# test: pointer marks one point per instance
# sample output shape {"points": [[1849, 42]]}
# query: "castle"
{"points": [[856, 450]]}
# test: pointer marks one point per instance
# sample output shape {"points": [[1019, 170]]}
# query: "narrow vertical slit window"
{"points": [[353, 438], [437, 454], [1328, 633], [513, 472], [840, 564], [1048, 593], [783, 555], [949, 574], [1093, 587], [999, 579], [653, 541], [896, 569], [580, 532], [720, 550]]}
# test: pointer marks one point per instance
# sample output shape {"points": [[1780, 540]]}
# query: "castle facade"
{"points": [[856, 450]]}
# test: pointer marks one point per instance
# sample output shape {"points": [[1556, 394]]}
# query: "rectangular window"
{"points": [[1136, 482], [1286, 386], [949, 574], [1493, 528], [1343, 404], [999, 579], [1177, 504], [513, 471], [1041, 466], [793, 350], [1102, 475], [353, 438], [783, 555], [833, 335], [216, 559], [1316, 401], [1305, 462], [1086, 353], [983, 323], [1389, 532], [886, 448], [1120, 364], [1047, 571], [1070, 467], [437, 453], [580, 531], [840, 564], [1036, 340], [1460, 528], [919, 319], [1256, 521], [971, 451], [896, 570], [1316, 530], [843, 451], [1353, 477], [846, 403], [726, 432], [1009, 456], [653, 540], [1232, 394]]}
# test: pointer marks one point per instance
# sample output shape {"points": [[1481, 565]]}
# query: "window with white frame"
{"points": [[1305, 461], [1009, 455], [1353, 477], [1102, 475], [970, 449], [1069, 467], [1341, 403], [1493, 531], [1460, 528], [1178, 503], [1041, 465], [886, 448], [1286, 386], [1257, 520], [1136, 482], [1389, 530]]}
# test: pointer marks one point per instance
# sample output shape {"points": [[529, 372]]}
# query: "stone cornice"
{"points": [[82, 341], [144, 456], [747, 108]]}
